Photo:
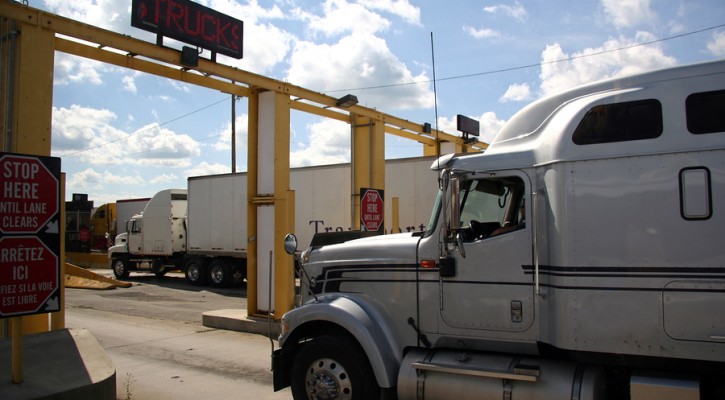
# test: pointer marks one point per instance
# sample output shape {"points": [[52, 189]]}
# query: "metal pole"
{"points": [[234, 134], [16, 325]]}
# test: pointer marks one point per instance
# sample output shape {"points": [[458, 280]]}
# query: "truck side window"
{"points": [[136, 227], [704, 112], [490, 207], [620, 122]]}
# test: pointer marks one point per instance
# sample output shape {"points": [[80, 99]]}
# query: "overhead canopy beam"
{"points": [[125, 51]]}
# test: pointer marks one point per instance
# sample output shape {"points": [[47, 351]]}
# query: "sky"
{"points": [[123, 134]]}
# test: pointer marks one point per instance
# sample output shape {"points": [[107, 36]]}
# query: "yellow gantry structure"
{"points": [[270, 102]]}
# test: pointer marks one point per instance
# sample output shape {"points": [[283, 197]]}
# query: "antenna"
{"points": [[435, 100]]}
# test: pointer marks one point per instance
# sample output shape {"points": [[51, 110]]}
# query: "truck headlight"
{"points": [[283, 327]]}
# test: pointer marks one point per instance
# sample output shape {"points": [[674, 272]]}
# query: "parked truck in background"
{"points": [[579, 257], [202, 230], [108, 220]]}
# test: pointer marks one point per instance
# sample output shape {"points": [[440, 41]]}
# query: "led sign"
{"points": [[191, 23]]}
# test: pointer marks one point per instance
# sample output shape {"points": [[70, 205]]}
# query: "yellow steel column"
{"points": [[283, 273], [31, 117], [33, 91], [252, 160], [57, 319], [269, 158], [368, 159]]}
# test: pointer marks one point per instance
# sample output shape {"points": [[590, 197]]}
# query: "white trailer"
{"points": [[579, 257], [126, 209], [214, 226]]}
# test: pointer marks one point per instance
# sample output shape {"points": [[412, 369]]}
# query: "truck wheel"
{"points": [[158, 268], [220, 274], [196, 272], [120, 268], [333, 367]]}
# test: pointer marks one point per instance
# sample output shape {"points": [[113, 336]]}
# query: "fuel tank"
{"points": [[455, 374]]}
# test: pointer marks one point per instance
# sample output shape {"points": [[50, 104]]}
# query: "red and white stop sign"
{"points": [[28, 196], [372, 209], [28, 276]]}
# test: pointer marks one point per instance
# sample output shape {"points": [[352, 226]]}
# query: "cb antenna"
{"points": [[435, 100]]}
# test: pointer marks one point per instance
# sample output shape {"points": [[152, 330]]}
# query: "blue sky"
{"points": [[123, 134]]}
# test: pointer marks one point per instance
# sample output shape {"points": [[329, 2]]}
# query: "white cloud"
{"points": [[340, 17], [129, 84], [359, 61], [204, 168], [401, 8], [516, 92], [629, 13], [516, 10], [163, 178], [155, 145], [329, 144], [490, 126], [109, 14], [482, 33], [561, 71], [71, 69], [87, 135], [716, 46], [77, 127], [224, 141], [89, 179]]}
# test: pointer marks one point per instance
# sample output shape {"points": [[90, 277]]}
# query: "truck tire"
{"points": [[220, 274], [196, 272], [120, 267], [333, 367], [158, 268]]}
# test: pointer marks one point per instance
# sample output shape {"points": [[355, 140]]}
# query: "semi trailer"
{"points": [[202, 229]]}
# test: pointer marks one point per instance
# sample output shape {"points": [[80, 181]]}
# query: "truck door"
{"points": [[489, 290], [135, 238]]}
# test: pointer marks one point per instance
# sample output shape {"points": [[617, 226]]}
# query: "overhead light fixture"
{"points": [[189, 57], [346, 101]]}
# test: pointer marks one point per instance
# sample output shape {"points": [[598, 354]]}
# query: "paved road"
{"points": [[153, 333]]}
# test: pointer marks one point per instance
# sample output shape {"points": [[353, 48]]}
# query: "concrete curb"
{"points": [[238, 320], [63, 364]]}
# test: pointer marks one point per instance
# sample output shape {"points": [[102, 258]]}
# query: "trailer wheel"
{"points": [[220, 274], [120, 267], [333, 367], [196, 272]]}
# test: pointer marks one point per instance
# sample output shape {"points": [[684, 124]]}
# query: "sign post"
{"points": [[372, 210]]}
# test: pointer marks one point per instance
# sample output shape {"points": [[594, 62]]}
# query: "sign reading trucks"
{"points": [[191, 23]]}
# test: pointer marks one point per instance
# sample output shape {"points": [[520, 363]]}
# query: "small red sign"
{"points": [[28, 277], [372, 210], [28, 196]]}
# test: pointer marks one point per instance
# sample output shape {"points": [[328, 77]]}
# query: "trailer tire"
{"points": [[220, 274], [196, 272], [336, 365], [119, 265]]}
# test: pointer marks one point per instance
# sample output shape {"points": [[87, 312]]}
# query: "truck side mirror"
{"points": [[455, 207], [290, 243]]}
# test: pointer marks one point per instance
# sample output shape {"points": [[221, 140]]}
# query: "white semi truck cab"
{"points": [[579, 257]]}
